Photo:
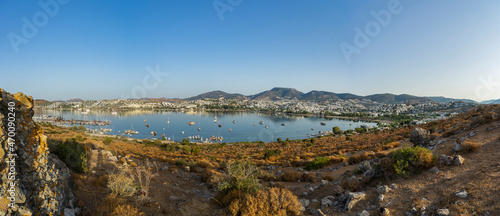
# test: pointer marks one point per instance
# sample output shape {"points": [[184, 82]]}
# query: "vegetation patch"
{"points": [[318, 163], [411, 160], [72, 153]]}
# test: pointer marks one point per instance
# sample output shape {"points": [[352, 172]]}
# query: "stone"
{"points": [[413, 211], [364, 213], [173, 198], [352, 199], [324, 182], [314, 201], [270, 167], [71, 212], [457, 146], [443, 212], [434, 170], [337, 190], [164, 168], [327, 202], [304, 194], [458, 160], [381, 197], [369, 173], [186, 169], [462, 194], [112, 158], [365, 166], [385, 211], [304, 203], [310, 190], [444, 160], [420, 137], [383, 189], [394, 186]]}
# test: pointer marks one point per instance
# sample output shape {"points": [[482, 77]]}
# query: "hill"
{"points": [[278, 93], [497, 101], [218, 95], [320, 96], [447, 100], [391, 98]]}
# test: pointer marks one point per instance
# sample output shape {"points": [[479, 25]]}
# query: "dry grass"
{"points": [[269, 202], [121, 184], [470, 146], [359, 158], [291, 176]]}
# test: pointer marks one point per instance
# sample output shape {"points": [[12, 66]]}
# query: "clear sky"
{"points": [[100, 49]]}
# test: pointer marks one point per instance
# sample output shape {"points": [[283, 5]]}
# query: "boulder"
{"points": [[324, 182], [443, 212], [364, 213], [444, 160], [434, 170], [304, 203], [383, 189], [365, 166], [420, 137], [457, 146], [458, 160], [327, 202], [349, 199], [462, 194], [337, 190]]}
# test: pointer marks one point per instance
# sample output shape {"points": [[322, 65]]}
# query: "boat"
{"points": [[191, 123], [253, 124], [322, 123], [182, 132], [234, 121], [220, 125], [199, 129], [153, 133], [267, 127], [230, 130], [283, 124], [261, 122], [114, 113], [145, 120], [168, 121], [147, 125], [312, 128]]}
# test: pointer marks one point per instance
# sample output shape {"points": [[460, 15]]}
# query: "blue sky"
{"points": [[100, 49]]}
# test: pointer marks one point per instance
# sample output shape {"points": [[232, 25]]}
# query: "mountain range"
{"points": [[279, 93]]}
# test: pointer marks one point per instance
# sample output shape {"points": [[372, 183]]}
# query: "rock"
{"points": [[310, 190], [304, 203], [319, 213], [434, 170], [324, 182], [365, 166], [458, 160], [270, 167], [443, 212], [42, 180], [173, 198], [164, 168], [413, 211], [71, 212], [186, 169], [490, 128], [471, 134], [420, 137], [314, 201], [383, 189], [369, 173], [462, 194], [327, 202], [444, 160], [304, 194], [113, 158], [384, 211], [337, 190], [394, 186], [364, 213], [352, 199], [457, 146], [408, 214], [381, 197]]}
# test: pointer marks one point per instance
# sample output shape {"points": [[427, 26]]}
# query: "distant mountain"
{"points": [[497, 101], [447, 100], [391, 98], [277, 94], [218, 95], [320, 96], [75, 100]]}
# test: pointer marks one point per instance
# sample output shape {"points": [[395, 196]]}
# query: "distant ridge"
{"points": [[497, 101], [279, 93]]}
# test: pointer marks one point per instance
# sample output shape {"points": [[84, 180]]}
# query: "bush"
{"points": [[195, 150], [72, 153], [121, 185], [470, 147], [269, 202], [411, 160], [359, 158], [336, 130], [318, 163], [270, 153], [180, 162], [242, 177], [107, 140], [185, 142], [291, 176]]}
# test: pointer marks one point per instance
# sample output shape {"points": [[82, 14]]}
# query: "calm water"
{"points": [[246, 125]]}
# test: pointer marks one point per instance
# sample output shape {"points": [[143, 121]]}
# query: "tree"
{"points": [[185, 142], [336, 130], [279, 140]]}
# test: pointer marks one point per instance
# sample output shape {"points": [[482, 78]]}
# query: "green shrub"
{"points": [[180, 162], [107, 140], [336, 130], [82, 128], [72, 153], [411, 160], [79, 138], [269, 153], [242, 177], [318, 163], [185, 142], [195, 150]]}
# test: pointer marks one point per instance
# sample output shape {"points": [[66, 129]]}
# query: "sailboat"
{"points": [[168, 121], [234, 121]]}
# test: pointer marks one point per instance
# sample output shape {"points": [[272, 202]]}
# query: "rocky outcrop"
{"points": [[420, 137], [40, 182]]}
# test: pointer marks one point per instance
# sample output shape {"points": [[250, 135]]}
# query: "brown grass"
{"points": [[269, 202], [359, 158], [470, 147], [291, 176]]}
